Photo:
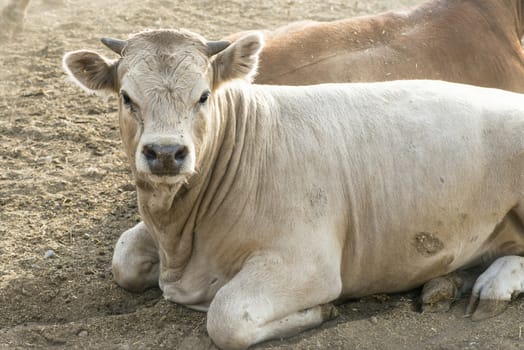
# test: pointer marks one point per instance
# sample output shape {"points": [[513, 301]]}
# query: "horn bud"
{"points": [[214, 47], [115, 45]]}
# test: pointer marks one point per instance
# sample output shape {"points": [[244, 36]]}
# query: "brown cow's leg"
{"points": [[272, 298]]}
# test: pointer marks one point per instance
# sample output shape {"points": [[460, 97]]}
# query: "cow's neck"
{"points": [[171, 212], [232, 110], [174, 212], [168, 214]]}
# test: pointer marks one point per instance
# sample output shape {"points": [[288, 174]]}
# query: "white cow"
{"points": [[264, 204]]}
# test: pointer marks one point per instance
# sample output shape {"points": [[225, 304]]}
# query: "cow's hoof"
{"points": [[438, 294], [440, 306], [485, 308], [328, 311]]}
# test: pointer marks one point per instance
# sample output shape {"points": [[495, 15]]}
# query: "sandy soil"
{"points": [[65, 187]]}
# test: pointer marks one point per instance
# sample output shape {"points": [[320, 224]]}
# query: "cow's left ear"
{"points": [[91, 71], [239, 60]]}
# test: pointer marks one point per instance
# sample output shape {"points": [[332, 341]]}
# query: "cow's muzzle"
{"points": [[165, 160]]}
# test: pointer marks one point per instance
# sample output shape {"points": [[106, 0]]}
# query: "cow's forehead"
{"points": [[165, 64], [163, 61], [165, 42]]}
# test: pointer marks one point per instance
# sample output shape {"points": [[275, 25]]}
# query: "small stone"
{"points": [[91, 172], [373, 320], [83, 333], [42, 160], [49, 254]]}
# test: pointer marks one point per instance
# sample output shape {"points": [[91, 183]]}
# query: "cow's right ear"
{"points": [[91, 71]]}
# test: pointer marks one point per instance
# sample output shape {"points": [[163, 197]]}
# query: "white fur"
{"points": [[503, 280], [308, 194]]}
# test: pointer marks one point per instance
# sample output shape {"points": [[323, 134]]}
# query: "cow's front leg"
{"points": [[272, 297], [496, 287], [135, 260]]}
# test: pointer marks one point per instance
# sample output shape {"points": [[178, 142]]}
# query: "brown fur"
{"points": [[468, 41]]}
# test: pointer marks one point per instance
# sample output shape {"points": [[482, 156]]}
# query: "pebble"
{"points": [[373, 320], [49, 254], [91, 171], [83, 333], [43, 160]]}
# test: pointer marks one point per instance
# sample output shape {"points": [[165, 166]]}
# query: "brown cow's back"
{"points": [[475, 42]]}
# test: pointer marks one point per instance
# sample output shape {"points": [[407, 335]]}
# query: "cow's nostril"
{"points": [[149, 152], [181, 153]]}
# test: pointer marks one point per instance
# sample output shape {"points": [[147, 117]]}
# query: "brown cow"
{"points": [[475, 42]]}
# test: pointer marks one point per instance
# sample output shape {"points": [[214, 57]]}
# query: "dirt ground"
{"points": [[65, 186]]}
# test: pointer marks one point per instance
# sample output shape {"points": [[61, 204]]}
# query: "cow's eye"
{"points": [[128, 103], [126, 99], [204, 97]]}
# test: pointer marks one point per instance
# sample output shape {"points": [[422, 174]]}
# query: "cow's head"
{"points": [[165, 80]]}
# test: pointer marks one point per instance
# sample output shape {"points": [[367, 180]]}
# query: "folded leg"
{"points": [[135, 260], [272, 298]]}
